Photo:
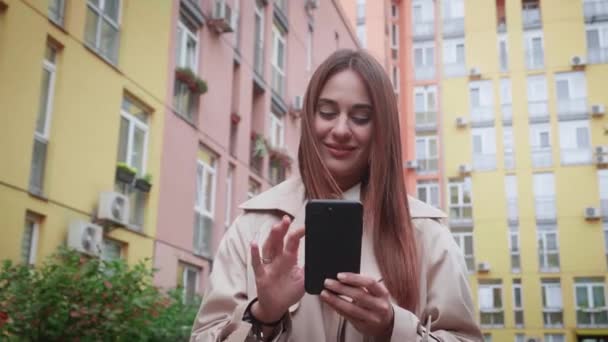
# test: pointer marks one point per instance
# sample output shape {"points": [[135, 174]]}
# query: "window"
{"points": [[537, 97], [548, 249], [234, 130], [591, 308], [490, 304], [552, 303], [394, 11], [425, 105], [423, 19], [426, 154], [544, 196], [361, 35], [111, 250], [424, 60], [597, 43], [487, 337], [360, 10], [454, 57], [575, 142], [540, 140], [518, 307], [184, 101], [395, 78], [481, 101], [453, 17], [484, 148], [508, 147], [278, 60], [511, 196], [190, 281], [394, 36], [258, 56], [102, 28], [56, 11], [535, 55], [453, 9], [520, 338], [277, 130], [514, 249], [43, 121], [503, 53], [236, 17], [229, 190], [253, 189], [531, 14], [460, 200], [554, 338], [464, 240], [606, 240], [571, 90], [428, 192], [204, 206], [277, 172], [506, 100], [309, 34], [29, 241]]}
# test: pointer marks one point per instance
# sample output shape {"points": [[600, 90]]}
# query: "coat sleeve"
{"points": [[220, 317], [449, 314]]}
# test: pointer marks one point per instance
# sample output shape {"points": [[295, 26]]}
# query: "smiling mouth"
{"points": [[339, 152]]}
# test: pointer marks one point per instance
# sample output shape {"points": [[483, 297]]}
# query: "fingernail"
{"points": [[341, 276], [328, 282]]}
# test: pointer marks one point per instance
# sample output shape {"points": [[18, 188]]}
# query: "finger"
{"points": [[359, 296], [348, 310], [273, 245], [374, 287], [256, 262], [293, 240]]}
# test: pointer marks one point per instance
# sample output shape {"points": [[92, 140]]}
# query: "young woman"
{"points": [[413, 283]]}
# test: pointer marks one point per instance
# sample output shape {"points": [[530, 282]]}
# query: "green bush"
{"points": [[74, 298]]}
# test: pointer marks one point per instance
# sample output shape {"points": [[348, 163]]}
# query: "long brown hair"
{"points": [[385, 200]]}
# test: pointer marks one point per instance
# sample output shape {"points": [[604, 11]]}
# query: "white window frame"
{"points": [[453, 9], [428, 187], [545, 251], [236, 20], [462, 186], [394, 36], [602, 32], [529, 38], [229, 189], [508, 147], [279, 39], [546, 286], [515, 251], [518, 308], [542, 156], [110, 242], [394, 11], [362, 34], [134, 122], [184, 35], [114, 23], [58, 17], [429, 155], [309, 36], [201, 201], [503, 59], [197, 271], [395, 78], [428, 59], [571, 152], [460, 237], [589, 285], [554, 338], [277, 126], [605, 225], [452, 66], [484, 111], [486, 158], [492, 309], [575, 102], [258, 46], [537, 96], [33, 241]]}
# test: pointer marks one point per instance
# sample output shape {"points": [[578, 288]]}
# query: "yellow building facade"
{"points": [[80, 91]]}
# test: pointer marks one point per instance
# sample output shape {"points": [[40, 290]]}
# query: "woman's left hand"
{"points": [[370, 311]]}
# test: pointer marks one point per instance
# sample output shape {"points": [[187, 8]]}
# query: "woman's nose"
{"points": [[341, 129]]}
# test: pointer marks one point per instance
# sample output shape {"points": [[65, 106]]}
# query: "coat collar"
{"points": [[288, 197]]}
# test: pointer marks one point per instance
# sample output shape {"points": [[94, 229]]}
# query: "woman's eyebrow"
{"points": [[355, 106]]}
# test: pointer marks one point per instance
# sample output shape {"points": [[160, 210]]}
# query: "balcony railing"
{"points": [[428, 165], [570, 156], [538, 110], [571, 107], [482, 114], [597, 55], [483, 162], [531, 17], [453, 27], [512, 212], [507, 112], [596, 10], [426, 120], [455, 69], [461, 215], [424, 72], [541, 156], [604, 207], [535, 59], [423, 29], [509, 160], [545, 208]]}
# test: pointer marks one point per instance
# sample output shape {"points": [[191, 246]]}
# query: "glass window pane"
{"points": [[468, 245], [418, 58], [111, 8], [90, 31], [109, 41], [123, 140], [497, 297], [601, 317], [44, 102], [582, 137], [137, 151], [583, 317], [599, 299], [553, 260], [38, 166], [26, 242], [422, 194], [208, 191], [581, 297], [563, 90], [593, 39]]}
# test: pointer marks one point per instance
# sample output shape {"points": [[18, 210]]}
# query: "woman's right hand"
{"points": [[279, 279]]}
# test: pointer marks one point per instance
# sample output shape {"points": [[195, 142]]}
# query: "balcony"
{"points": [[572, 108], [545, 208], [576, 156], [507, 113], [531, 17], [509, 161], [461, 216], [455, 70], [426, 121], [595, 10], [535, 60], [512, 212], [541, 156], [597, 55], [453, 27], [423, 30], [482, 114], [484, 162], [427, 165], [278, 82], [538, 111], [424, 72]]}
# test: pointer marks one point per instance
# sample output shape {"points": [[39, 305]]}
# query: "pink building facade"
{"points": [[241, 136]]}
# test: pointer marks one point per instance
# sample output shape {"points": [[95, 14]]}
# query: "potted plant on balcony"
{"points": [[280, 157], [260, 146], [145, 183], [196, 85], [125, 173]]}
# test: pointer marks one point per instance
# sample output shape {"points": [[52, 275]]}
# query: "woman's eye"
{"points": [[361, 119], [326, 113]]}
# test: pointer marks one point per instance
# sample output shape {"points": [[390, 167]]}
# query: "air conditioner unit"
{"points": [[598, 109], [465, 169], [602, 160], [411, 164], [483, 266], [312, 4], [85, 237], [461, 121], [592, 213], [113, 207], [474, 72], [298, 103], [222, 20], [601, 149], [577, 61]]}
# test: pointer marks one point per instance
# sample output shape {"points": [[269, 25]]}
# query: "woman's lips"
{"points": [[339, 152]]}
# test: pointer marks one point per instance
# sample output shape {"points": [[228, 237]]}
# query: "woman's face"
{"points": [[343, 126]]}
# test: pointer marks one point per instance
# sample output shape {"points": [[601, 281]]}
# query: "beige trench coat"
{"points": [[445, 307]]}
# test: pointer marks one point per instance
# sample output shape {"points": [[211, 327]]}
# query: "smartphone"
{"points": [[333, 232]]}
